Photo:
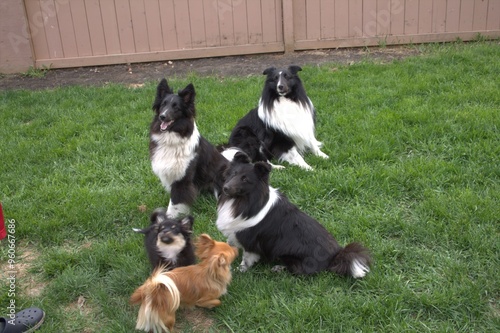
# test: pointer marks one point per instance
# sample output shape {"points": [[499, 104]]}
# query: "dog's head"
{"points": [[168, 231], [207, 248], [243, 177], [170, 107], [282, 81]]}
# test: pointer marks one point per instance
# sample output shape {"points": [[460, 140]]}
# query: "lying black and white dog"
{"points": [[168, 241], [185, 162], [260, 220], [284, 121]]}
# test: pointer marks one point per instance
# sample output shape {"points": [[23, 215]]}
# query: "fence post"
{"points": [[288, 34]]}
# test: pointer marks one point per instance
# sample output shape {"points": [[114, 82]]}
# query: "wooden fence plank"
{"points": [[278, 8], [480, 15], [493, 21], [383, 17], [355, 15], [411, 17], [327, 18], [37, 27], [254, 22], [452, 15], [139, 25], [211, 19], [110, 26], [81, 27], [182, 24], [313, 24], [197, 23], [268, 21], [153, 23], [66, 30], [167, 17], [466, 15], [341, 20], [96, 29], [299, 19], [425, 17], [369, 18], [52, 29], [397, 17], [125, 29], [439, 16], [225, 17], [240, 22]]}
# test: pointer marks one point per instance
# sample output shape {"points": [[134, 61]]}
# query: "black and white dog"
{"points": [[185, 162], [284, 121], [168, 241], [260, 220]]}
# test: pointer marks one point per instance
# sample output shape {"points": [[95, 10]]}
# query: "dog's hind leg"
{"points": [[208, 303], [249, 259]]}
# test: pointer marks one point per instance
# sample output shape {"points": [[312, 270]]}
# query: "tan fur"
{"points": [[196, 285]]}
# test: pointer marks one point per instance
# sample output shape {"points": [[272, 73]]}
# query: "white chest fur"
{"points": [[172, 155], [293, 119], [229, 224]]}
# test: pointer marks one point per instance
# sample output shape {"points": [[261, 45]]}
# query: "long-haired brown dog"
{"points": [[195, 285]]}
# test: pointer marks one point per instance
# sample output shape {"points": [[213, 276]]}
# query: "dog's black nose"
{"points": [[162, 117], [280, 87]]}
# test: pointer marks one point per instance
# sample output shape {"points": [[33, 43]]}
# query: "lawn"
{"points": [[413, 174]]}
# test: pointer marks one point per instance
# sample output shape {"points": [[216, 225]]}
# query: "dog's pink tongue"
{"points": [[163, 125]]}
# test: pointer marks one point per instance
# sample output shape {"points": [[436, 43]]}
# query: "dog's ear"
{"points": [[154, 216], [262, 169], [269, 70], [294, 69], [162, 90], [187, 94], [222, 260], [141, 231], [187, 224], [203, 246], [241, 157]]}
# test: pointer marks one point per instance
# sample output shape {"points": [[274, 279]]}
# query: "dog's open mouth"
{"points": [[165, 124]]}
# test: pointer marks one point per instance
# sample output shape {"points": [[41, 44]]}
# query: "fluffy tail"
{"points": [[159, 299], [353, 260]]}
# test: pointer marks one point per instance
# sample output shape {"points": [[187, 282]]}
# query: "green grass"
{"points": [[414, 174]]}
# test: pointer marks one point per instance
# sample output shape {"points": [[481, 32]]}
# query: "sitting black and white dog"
{"points": [[168, 241], [185, 162], [284, 121], [260, 220]]}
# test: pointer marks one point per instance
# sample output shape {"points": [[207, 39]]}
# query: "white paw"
{"points": [[278, 268], [243, 267], [323, 155], [277, 167]]}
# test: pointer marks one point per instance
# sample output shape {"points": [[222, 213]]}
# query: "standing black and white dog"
{"points": [[284, 121], [260, 220], [185, 162]]}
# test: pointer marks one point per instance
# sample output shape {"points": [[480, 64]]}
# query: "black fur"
{"points": [[285, 233], [174, 118], [168, 232]]}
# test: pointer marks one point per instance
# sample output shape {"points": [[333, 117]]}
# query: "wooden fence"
{"points": [[73, 33]]}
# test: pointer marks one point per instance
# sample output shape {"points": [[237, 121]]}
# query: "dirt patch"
{"points": [[26, 282], [138, 74], [198, 320]]}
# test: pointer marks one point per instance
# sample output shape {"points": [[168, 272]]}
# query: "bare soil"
{"points": [[138, 74]]}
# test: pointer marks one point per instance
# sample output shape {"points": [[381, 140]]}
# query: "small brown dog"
{"points": [[195, 285]]}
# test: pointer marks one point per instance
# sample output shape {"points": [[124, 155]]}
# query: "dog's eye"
{"points": [[244, 179]]}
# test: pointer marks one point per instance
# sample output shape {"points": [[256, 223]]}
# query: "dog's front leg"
{"points": [[249, 259], [182, 196], [293, 157]]}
